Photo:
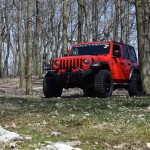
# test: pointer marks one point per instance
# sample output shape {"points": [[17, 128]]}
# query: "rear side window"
{"points": [[125, 52], [133, 57]]}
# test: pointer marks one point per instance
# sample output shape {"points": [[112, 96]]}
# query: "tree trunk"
{"points": [[8, 39], [80, 22], [20, 46], [128, 30], [29, 49], [95, 19], [143, 31], [122, 21], [1, 20], [86, 22], [116, 22], [37, 48], [65, 24]]}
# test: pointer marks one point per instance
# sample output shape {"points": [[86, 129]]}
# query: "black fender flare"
{"points": [[134, 70], [97, 65]]}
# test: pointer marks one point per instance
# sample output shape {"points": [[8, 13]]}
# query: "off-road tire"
{"points": [[103, 84], [50, 89], [89, 92], [135, 86]]}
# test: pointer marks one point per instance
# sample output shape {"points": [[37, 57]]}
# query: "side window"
{"points": [[133, 57], [125, 52], [116, 50]]}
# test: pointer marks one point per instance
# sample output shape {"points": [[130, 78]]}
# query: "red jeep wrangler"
{"points": [[96, 67]]}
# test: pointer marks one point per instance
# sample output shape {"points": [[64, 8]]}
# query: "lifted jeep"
{"points": [[96, 67]]}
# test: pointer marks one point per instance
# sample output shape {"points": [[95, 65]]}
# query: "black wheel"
{"points": [[135, 86], [89, 92], [103, 84], [50, 89]]}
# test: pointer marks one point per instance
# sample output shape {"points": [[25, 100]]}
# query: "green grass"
{"points": [[97, 123]]}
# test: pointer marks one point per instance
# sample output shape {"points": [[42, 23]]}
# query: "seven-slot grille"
{"points": [[73, 63]]}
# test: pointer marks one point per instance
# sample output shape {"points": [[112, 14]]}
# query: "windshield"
{"points": [[90, 49]]}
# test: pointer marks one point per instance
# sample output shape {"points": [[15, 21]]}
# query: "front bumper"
{"points": [[70, 78]]}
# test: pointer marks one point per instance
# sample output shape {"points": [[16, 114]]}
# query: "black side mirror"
{"points": [[116, 53], [65, 55]]}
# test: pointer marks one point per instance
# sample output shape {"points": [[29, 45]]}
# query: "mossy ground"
{"points": [[97, 123]]}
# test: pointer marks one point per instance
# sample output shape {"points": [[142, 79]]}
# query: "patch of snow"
{"points": [[61, 146], [7, 136], [148, 145]]}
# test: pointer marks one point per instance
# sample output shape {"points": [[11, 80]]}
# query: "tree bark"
{"points": [[86, 22], [7, 39], [116, 22], [143, 32], [65, 24], [80, 21], [95, 19], [29, 49], [37, 48], [128, 30], [20, 46], [1, 20]]}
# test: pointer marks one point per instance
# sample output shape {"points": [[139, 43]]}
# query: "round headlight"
{"points": [[57, 63], [86, 61]]}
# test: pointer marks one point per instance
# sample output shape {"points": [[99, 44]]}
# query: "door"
{"points": [[118, 73], [126, 65]]}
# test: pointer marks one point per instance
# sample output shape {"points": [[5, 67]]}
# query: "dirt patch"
{"points": [[10, 86]]}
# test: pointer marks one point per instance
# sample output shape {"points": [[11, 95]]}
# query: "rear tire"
{"points": [[103, 84], [50, 89], [135, 86]]}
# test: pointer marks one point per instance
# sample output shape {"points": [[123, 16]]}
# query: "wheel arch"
{"points": [[135, 70], [100, 66]]}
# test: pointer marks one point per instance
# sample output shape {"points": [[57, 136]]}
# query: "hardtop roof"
{"points": [[100, 42]]}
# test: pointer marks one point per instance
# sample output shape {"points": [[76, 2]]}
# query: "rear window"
{"points": [[133, 57], [91, 49]]}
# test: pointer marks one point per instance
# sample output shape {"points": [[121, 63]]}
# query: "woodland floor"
{"points": [[10, 86], [119, 122]]}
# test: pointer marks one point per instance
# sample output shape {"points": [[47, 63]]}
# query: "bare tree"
{"points": [[116, 21], [1, 21], [65, 24], [95, 19], [82, 9], [36, 39], [56, 24], [80, 21], [29, 49], [143, 31], [7, 38], [20, 46]]}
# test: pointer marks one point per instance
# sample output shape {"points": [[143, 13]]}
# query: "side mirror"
{"points": [[116, 53], [65, 55]]}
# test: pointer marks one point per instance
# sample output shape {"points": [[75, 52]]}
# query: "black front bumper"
{"points": [[70, 79]]}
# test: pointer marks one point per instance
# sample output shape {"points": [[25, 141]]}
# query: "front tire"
{"points": [[135, 86], [89, 92], [50, 89], [103, 84]]}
